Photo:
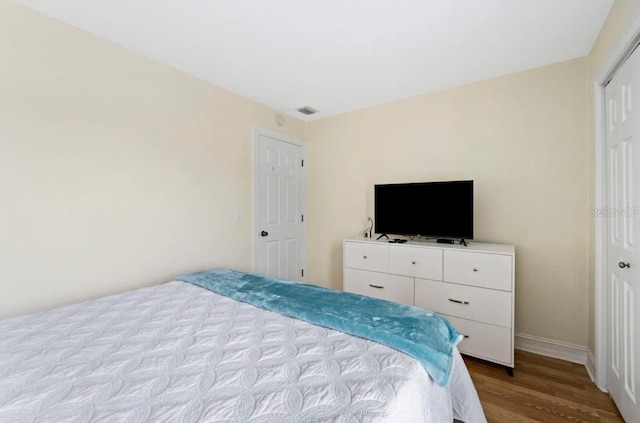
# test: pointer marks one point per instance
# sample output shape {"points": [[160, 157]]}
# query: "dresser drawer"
{"points": [[358, 255], [416, 261], [379, 285], [483, 340], [469, 302], [478, 269]]}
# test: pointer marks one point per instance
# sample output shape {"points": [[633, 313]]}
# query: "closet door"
{"points": [[623, 222]]}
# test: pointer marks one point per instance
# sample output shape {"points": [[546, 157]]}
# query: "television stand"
{"points": [[463, 242], [382, 235], [439, 277]]}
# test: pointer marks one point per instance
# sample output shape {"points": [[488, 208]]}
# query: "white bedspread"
{"points": [[179, 353]]}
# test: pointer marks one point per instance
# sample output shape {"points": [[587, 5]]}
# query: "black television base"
{"points": [[451, 241], [445, 241], [382, 235]]}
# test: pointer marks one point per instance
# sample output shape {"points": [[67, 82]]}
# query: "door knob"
{"points": [[622, 265], [264, 233]]}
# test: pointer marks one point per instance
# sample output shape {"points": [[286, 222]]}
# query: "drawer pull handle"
{"points": [[465, 336], [364, 257], [475, 269], [376, 286], [413, 262], [458, 301]]}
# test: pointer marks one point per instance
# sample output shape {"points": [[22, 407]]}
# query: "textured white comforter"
{"points": [[179, 353]]}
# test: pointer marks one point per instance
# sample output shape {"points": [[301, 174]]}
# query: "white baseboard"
{"points": [[552, 348], [591, 369], [591, 366]]}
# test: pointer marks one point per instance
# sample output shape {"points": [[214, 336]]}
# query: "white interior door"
{"points": [[623, 251], [280, 206]]}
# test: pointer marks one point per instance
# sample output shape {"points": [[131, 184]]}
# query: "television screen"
{"points": [[430, 209]]}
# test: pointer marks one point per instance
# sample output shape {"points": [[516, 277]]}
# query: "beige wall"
{"points": [[118, 172], [615, 26], [522, 138], [115, 171]]}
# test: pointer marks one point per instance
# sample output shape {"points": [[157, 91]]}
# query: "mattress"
{"points": [[177, 352]]}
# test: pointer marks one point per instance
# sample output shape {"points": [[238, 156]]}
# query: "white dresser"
{"points": [[473, 286]]}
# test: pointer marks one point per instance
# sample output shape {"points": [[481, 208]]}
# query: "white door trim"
{"points": [[623, 48], [258, 131]]}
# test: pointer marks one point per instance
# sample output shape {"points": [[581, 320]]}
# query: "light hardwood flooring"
{"points": [[543, 389]]}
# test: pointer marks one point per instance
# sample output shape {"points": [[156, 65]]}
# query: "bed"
{"points": [[177, 352]]}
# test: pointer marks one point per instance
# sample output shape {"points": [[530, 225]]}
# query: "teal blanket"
{"points": [[422, 334]]}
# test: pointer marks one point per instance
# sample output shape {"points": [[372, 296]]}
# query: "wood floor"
{"points": [[542, 390]]}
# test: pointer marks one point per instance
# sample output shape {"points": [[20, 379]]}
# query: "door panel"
{"points": [[628, 187], [628, 337], [614, 198], [614, 327]]}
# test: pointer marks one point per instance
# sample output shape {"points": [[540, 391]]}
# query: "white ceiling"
{"points": [[340, 55]]}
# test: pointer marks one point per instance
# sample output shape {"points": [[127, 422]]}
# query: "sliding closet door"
{"points": [[623, 221]]}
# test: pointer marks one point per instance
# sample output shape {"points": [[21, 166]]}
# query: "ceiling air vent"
{"points": [[307, 110]]}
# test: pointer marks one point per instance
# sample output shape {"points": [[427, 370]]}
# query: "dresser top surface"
{"points": [[472, 246]]}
